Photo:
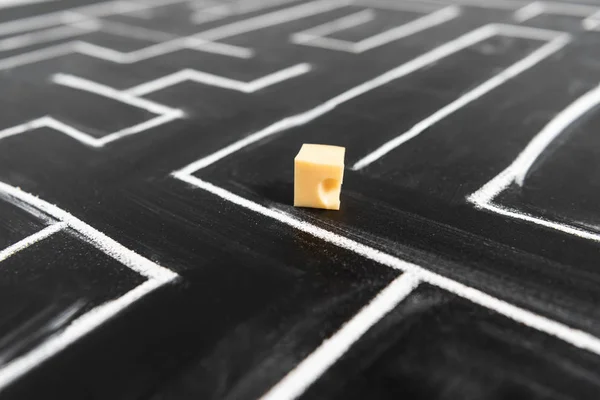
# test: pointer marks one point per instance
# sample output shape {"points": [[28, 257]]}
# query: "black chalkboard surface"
{"points": [[149, 248]]}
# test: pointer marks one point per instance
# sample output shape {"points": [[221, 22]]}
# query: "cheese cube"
{"points": [[318, 175]]}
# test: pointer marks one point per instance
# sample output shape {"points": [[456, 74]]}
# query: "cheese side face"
{"points": [[318, 176]]}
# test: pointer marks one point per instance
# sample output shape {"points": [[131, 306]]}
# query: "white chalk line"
{"points": [[108, 54], [247, 6], [537, 8], [147, 14], [111, 55], [19, 3], [15, 130], [312, 367], [73, 332], [324, 43], [551, 131], [132, 57], [573, 9], [529, 11], [31, 240], [495, 4], [570, 335], [488, 4], [144, 126], [418, 25], [58, 17], [272, 18], [165, 114], [591, 14], [238, 8], [157, 276], [212, 7], [518, 170], [520, 215], [316, 36], [49, 122], [339, 24], [133, 32], [218, 48], [213, 12], [151, 4], [507, 74], [592, 22], [219, 81], [203, 4], [89, 86], [47, 35], [419, 7], [169, 43], [127, 257], [36, 56], [528, 32]]}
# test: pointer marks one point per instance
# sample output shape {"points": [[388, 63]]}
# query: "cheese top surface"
{"points": [[321, 154]]}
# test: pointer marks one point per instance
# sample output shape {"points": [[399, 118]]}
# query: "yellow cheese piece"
{"points": [[318, 176]]}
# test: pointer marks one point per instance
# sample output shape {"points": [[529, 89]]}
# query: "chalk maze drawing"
{"points": [[16, 3], [62, 221], [69, 24], [516, 173], [317, 36], [309, 370], [555, 41], [218, 11], [588, 13], [219, 81], [66, 25], [312, 367], [164, 114]]}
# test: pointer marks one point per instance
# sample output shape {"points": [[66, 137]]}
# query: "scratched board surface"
{"points": [[149, 249]]}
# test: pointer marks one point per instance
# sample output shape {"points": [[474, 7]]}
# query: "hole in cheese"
{"points": [[328, 191]]}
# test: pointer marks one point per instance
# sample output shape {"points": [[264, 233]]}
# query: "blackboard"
{"points": [[149, 248]]}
